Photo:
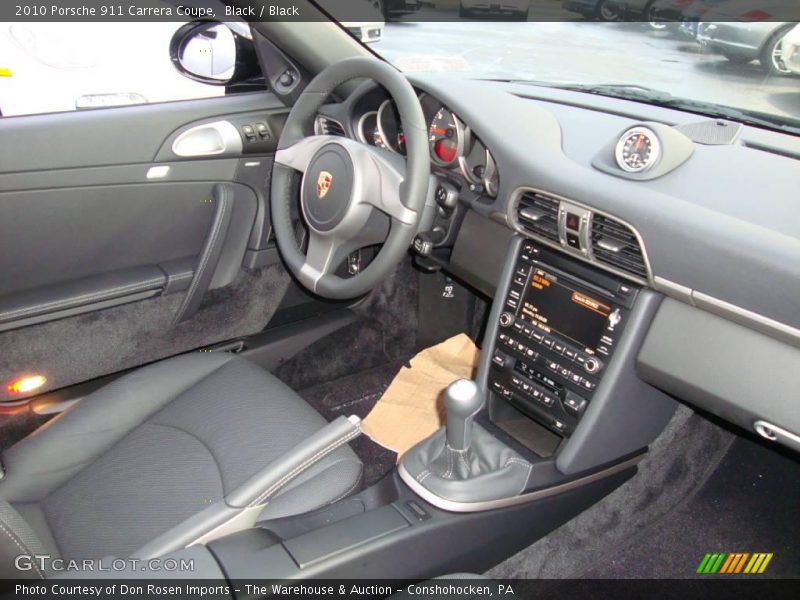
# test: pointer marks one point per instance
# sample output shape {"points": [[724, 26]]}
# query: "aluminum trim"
{"points": [[747, 318], [465, 507], [360, 126], [732, 312], [589, 257]]}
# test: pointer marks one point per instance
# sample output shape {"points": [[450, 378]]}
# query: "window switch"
{"points": [[263, 131], [249, 132]]}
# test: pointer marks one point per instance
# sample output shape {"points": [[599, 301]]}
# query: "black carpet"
{"points": [[15, 425], [356, 394], [749, 505], [679, 463]]}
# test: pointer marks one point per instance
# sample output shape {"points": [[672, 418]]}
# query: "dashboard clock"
{"points": [[638, 150]]}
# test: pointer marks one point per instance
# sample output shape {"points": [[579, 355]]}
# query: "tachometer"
{"points": [[637, 150], [446, 137]]}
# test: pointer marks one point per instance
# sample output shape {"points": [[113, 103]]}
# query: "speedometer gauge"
{"points": [[637, 150], [446, 137]]}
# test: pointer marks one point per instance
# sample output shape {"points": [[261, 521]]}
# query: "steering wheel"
{"points": [[351, 194]]}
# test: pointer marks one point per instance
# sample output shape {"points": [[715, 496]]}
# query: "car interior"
{"points": [[202, 300]]}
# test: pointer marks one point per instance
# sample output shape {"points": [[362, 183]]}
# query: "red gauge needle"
{"points": [[638, 144], [439, 131]]}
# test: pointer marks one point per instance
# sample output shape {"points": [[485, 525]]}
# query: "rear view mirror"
{"points": [[211, 52]]}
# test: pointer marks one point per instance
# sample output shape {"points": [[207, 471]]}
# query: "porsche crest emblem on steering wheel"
{"points": [[323, 184]]}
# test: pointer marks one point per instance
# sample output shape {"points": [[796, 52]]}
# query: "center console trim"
{"points": [[466, 507], [588, 213]]}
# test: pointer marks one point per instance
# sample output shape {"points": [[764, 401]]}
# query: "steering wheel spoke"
{"points": [[324, 253], [383, 179], [299, 155]]}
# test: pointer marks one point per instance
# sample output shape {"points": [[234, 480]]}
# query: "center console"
{"points": [[558, 329], [555, 419]]}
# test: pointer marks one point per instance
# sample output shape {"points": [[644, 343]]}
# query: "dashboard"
{"points": [[455, 149], [699, 211]]}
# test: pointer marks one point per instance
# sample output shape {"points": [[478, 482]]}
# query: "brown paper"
{"points": [[412, 407]]}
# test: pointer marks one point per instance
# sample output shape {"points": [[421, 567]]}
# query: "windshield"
{"points": [[684, 60]]}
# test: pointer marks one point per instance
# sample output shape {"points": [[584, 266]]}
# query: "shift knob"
{"points": [[462, 399]]}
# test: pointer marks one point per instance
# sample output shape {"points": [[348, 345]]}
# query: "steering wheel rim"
{"points": [[371, 181]]}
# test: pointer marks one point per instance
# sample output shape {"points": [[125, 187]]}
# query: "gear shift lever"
{"points": [[463, 462], [462, 400]]}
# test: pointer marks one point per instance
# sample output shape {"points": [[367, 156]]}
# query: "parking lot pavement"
{"points": [[587, 52]]}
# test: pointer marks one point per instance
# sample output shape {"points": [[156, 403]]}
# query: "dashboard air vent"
{"points": [[328, 126], [537, 213], [615, 244]]}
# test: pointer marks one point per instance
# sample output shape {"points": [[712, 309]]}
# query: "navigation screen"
{"points": [[559, 309]]}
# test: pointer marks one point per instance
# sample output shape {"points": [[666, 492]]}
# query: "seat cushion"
{"points": [[168, 442]]}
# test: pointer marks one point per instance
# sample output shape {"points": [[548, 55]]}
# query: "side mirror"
{"points": [[213, 53]]}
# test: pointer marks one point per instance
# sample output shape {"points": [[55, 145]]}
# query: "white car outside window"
{"points": [[790, 50]]}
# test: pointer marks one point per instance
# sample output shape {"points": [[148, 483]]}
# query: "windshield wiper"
{"points": [[640, 93]]}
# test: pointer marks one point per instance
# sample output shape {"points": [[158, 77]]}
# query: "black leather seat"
{"points": [[159, 458]]}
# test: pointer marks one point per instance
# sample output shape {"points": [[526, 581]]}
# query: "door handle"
{"points": [[210, 139]]}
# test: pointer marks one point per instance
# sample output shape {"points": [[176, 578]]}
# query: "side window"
{"points": [[55, 67]]}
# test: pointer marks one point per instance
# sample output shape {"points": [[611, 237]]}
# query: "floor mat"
{"points": [[680, 461], [412, 408], [748, 505], [356, 395]]}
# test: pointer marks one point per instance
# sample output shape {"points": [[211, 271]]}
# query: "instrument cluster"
{"points": [[452, 144]]}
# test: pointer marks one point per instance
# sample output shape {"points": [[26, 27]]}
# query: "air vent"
{"points": [[615, 244], [327, 126], [537, 213]]}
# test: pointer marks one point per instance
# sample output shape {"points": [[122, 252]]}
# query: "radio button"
{"points": [[531, 353], [559, 425], [500, 359], [537, 337], [559, 347], [570, 353], [519, 325], [592, 365], [589, 385], [548, 341], [548, 400], [574, 404]]}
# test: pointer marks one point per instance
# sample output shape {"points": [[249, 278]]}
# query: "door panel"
{"points": [[104, 226]]}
